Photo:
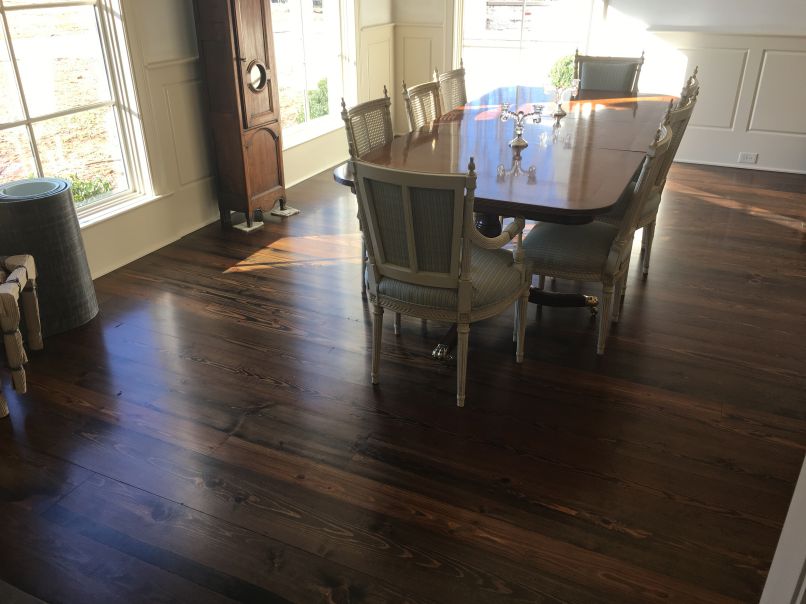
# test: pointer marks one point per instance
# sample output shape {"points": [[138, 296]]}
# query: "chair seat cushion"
{"points": [[493, 275], [648, 213], [571, 251]]}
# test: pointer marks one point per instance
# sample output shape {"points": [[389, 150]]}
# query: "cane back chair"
{"points": [[423, 104], [452, 90], [368, 126]]}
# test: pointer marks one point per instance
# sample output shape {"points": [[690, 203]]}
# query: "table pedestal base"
{"points": [[443, 351]]}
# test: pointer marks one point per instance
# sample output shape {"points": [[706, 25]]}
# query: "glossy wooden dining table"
{"points": [[573, 169], [582, 162]]}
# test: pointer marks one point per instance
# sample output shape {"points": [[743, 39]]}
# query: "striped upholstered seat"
{"points": [[493, 273], [598, 251]]}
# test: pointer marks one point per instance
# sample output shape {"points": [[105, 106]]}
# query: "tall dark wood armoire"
{"points": [[236, 51]]}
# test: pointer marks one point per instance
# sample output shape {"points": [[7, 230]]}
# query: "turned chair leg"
{"points": [[377, 332], [463, 339], [523, 302], [541, 284], [646, 242], [363, 266], [619, 293]]}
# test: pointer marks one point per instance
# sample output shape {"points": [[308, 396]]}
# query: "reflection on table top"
{"points": [[582, 163]]}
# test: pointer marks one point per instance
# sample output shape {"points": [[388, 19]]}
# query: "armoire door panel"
{"points": [[262, 152], [255, 65]]}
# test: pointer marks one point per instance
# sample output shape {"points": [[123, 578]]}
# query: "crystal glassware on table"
{"points": [[559, 93]]}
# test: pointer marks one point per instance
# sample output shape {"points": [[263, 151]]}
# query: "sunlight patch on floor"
{"points": [[789, 222], [309, 250]]}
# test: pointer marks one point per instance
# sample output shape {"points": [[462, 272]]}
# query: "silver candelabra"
{"points": [[520, 119]]}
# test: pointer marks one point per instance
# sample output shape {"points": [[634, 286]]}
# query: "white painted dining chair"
{"points": [[427, 260], [423, 104], [615, 74], [452, 90], [679, 117], [598, 251], [368, 126]]}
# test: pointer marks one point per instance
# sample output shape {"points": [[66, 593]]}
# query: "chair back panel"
{"points": [[452, 89], [646, 183], [678, 121], [414, 223], [423, 104], [615, 74], [368, 125]]}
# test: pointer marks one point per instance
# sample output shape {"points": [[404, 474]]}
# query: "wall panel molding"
{"points": [[779, 102], [755, 109], [419, 48], [724, 69], [377, 61], [186, 119]]}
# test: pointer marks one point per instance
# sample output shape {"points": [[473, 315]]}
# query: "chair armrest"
{"points": [[513, 229]]}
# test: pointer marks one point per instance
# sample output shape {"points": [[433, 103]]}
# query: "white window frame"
{"points": [[123, 101], [312, 129]]}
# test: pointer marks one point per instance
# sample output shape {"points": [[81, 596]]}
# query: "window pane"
{"points": [[10, 107], [84, 148], [59, 56], [21, 2], [320, 23], [16, 159], [289, 48]]}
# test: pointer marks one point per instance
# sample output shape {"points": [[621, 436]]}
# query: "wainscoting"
{"points": [[752, 100]]}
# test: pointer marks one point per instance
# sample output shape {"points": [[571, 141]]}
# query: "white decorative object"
{"points": [[559, 94]]}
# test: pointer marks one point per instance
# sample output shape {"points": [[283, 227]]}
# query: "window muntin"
{"points": [[307, 45], [509, 43], [60, 114]]}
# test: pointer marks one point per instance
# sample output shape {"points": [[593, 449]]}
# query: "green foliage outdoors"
{"points": [[317, 102], [562, 72], [87, 188]]}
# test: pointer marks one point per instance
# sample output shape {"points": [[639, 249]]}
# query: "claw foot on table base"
{"points": [[443, 351]]}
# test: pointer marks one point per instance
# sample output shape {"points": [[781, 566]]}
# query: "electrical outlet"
{"points": [[748, 158]]}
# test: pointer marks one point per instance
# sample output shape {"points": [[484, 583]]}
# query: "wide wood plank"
{"points": [[213, 436]]}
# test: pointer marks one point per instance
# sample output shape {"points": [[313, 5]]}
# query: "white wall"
{"points": [[420, 11], [771, 17], [167, 77], [753, 86], [752, 99], [785, 580], [423, 41], [374, 12]]}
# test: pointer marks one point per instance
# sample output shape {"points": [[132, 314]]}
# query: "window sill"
{"points": [[90, 216], [304, 133]]}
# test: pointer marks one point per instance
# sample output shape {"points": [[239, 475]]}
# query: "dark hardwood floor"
{"points": [[213, 436]]}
